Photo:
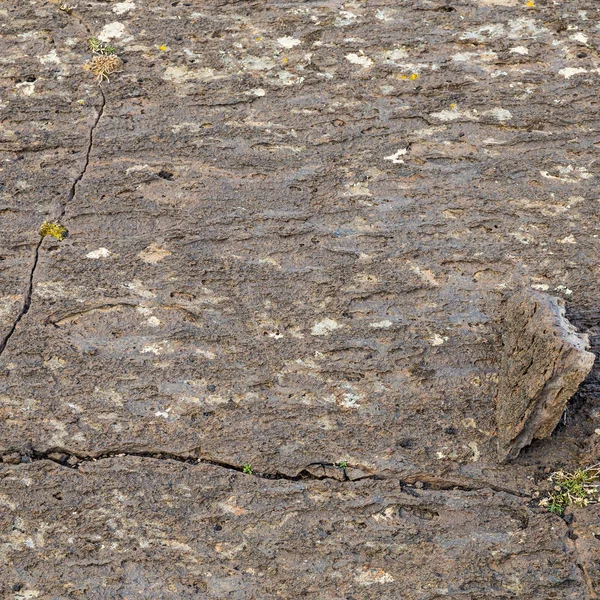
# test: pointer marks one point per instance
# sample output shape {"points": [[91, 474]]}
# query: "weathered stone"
{"points": [[543, 363], [290, 228]]}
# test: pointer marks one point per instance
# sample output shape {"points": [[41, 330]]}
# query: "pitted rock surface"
{"points": [[291, 229]]}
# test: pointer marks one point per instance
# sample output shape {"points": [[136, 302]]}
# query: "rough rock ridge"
{"points": [[543, 363]]}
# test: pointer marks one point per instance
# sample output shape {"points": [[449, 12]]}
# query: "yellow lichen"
{"points": [[54, 229], [103, 65], [163, 48], [414, 76], [530, 3]]}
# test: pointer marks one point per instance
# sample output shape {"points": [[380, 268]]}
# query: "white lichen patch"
{"points": [[383, 15], [373, 576], [350, 400], [579, 37], [564, 289], [163, 413], [389, 57], [50, 59], [475, 449], [288, 42], [123, 7], [136, 168], [544, 287], [395, 158], [475, 57], [26, 88], [569, 239], [112, 31], [259, 63], [157, 348], [519, 50], [153, 254], [500, 114], [569, 72], [345, 18], [359, 59], [437, 339], [100, 253], [568, 174], [523, 28], [325, 327], [454, 114], [385, 324]]}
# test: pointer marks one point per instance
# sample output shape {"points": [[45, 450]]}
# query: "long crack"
{"points": [[26, 301], [73, 460], [86, 161], [70, 196]]}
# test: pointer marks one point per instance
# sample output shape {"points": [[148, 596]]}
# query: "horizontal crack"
{"points": [[72, 460]]}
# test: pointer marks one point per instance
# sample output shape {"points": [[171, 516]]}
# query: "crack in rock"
{"points": [[27, 300], [72, 460], [72, 192]]}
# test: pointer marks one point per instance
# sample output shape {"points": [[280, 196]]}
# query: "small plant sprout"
{"points": [[247, 469], [579, 488], [343, 464], [98, 47], [54, 229]]}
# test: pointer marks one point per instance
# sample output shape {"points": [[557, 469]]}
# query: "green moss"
{"points": [[98, 47], [579, 488], [54, 229]]}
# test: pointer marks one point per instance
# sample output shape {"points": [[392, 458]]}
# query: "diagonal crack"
{"points": [[72, 192], [26, 301], [86, 161]]}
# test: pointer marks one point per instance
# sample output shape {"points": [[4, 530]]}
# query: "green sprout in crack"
{"points": [[343, 464], [247, 469], [98, 47], [54, 229], [579, 488]]}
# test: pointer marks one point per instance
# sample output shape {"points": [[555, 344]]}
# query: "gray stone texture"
{"points": [[291, 228]]}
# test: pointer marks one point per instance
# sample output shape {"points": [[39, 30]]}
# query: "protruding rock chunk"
{"points": [[543, 363]]}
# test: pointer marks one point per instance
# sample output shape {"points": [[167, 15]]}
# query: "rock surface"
{"points": [[543, 363], [291, 229]]}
